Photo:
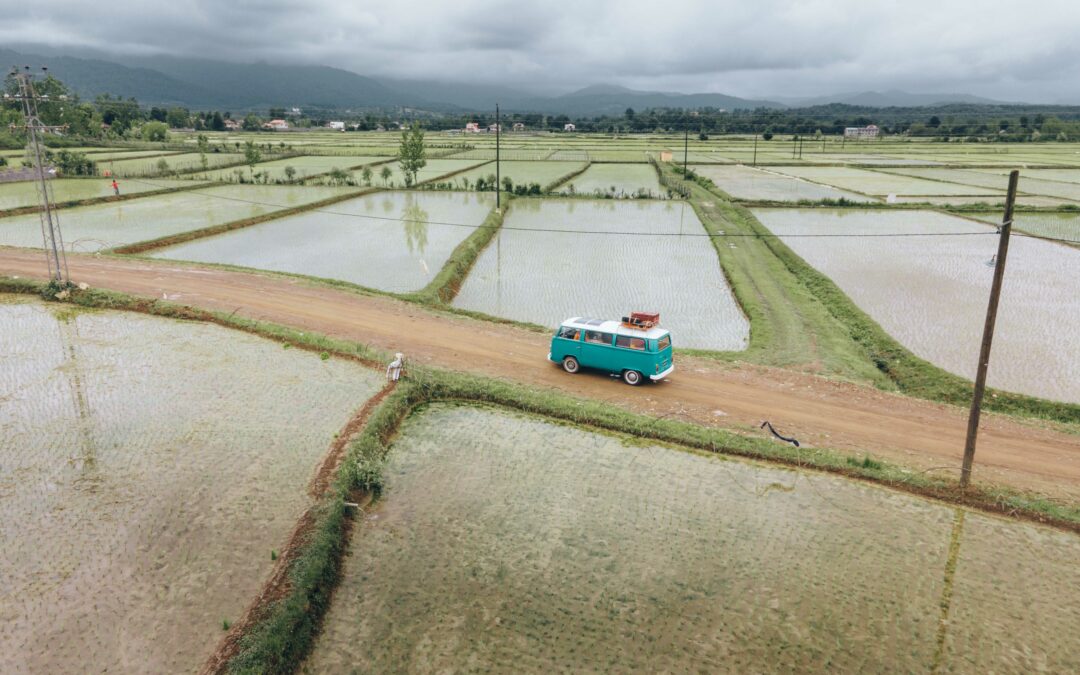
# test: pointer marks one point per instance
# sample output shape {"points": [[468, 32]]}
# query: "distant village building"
{"points": [[232, 125], [336, 126], [276, 125], [665, 155], [869, 131], [569, 126], [494, 128], [294, 112], [519, 126], [472, 127]]}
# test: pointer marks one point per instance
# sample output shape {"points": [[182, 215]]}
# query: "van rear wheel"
{"points": [[631, 377], [571, 365]]}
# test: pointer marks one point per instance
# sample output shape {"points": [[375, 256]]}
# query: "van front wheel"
{"points": [[570, 365], [631, 377]]}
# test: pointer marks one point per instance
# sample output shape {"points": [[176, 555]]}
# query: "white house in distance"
{"points": [[494, 128], [519, 126], [569, 126], [277, 125], [472, 127], [867, 132], [336, 126], [232, 125]]}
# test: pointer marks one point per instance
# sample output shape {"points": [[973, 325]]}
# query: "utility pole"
{"points": [[50, 221], [988, 331], [755, 149], [498, 185], [685, 149], [800, 146]]}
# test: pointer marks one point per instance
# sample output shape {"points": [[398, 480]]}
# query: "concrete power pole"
{"points": [[988, 332], [50, 221], [498, 185]]}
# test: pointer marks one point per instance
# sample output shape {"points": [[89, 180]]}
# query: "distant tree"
{"points": [[252, 156], [177, 118], [162, 167], [154, 131], [703, 136], [74, 163], [203, 143], [629, 113], [277, 113], [217, 123], [934, 122], [290, 173], [252, 123], [411, 154], [365, 175], [508, 184], [385, 174], [767, 136], [157, 114]]}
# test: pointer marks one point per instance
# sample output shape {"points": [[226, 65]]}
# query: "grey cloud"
{"points": [[996, 48]]}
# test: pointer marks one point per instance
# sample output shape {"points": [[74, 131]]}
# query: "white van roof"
{"points": [[617, 327]]}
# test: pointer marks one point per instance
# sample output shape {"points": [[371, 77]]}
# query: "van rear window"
{"points": [[630, 342], [663, 343], [569, 332], [596, 337]]}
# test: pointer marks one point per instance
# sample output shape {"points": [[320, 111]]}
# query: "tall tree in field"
{"points": [[252, 156], [411, 153], [203, 144]]}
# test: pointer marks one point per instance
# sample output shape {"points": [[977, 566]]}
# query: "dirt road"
{"points": [[818, 411]]}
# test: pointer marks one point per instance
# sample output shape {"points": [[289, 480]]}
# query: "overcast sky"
{"points": [[1009, 50]]}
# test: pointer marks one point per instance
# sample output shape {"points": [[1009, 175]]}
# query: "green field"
{"points": [[616, 180], [514, 544], [25, 193]]}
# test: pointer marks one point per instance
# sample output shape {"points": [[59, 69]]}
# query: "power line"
{"points": [[607, 232]]}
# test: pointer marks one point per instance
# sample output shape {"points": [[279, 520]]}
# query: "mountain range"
{"points": [[238, 87]]}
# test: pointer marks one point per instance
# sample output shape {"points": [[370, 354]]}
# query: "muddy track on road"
{"points": [[852, 418]]}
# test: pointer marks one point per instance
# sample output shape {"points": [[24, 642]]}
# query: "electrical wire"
{"points": [[623, 233]]}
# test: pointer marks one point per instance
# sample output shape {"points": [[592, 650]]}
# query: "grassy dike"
{"points": [[287, 628], [849, 326], [446, 284]]}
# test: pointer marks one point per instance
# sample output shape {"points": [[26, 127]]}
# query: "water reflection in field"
{"points": [[931, 292], [147, 469], [541, 269], [506, 543]]}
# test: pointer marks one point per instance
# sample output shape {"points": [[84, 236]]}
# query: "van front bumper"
{"points": [[660, 376]]}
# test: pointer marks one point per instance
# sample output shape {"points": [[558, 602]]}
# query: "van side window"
{"points": [[596, 337], [569, 332], [630, 342], [663, 343]]}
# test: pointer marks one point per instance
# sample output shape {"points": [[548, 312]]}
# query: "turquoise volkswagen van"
{"points": [[634, 353]]}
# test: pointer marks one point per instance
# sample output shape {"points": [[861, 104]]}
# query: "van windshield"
{"points": [[569, 332], [663, 343]]}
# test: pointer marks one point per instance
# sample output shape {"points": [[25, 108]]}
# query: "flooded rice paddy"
{"points": [[546, 270], [508, 543], [25, 193], [521, 172], [303, 167], [435, 168], [879, 184], [743, 182], [148, 467], [154, 166], [382, 240], [103, 226], [930, 293], [619, 180], [1061, 225]]}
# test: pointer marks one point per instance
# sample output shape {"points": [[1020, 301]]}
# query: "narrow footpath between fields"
{"points": [[818, 411]]}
